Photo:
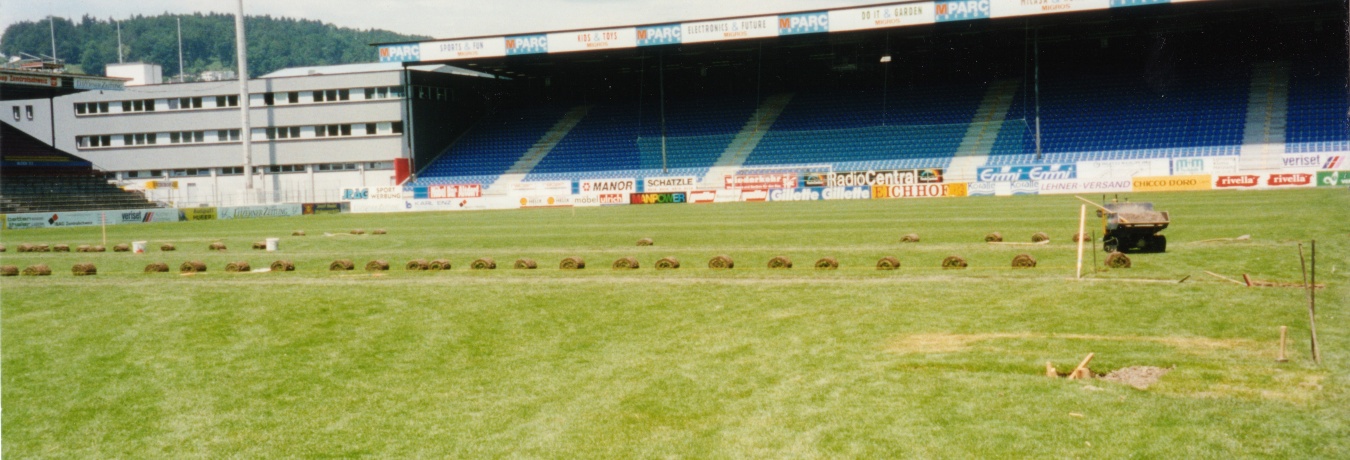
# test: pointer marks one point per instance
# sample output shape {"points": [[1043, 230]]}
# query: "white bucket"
{"points": [[138, 247], [272, 244]]}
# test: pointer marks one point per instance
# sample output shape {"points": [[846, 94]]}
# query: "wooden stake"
{"points": [[1050, 370], [1081, 372], [1082, 222], [1312, 304], [1247, 279], [103, 217], [1284, 339]]}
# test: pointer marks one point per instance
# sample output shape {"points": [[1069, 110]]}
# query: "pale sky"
{"points": [[436, 18]]}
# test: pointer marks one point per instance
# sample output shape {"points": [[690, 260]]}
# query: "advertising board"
{"points": [[729, 29], [196, 214], [1204, 165], [88, 218], [377, 205], [960, 10], [1009, 8], [1123, 169], [877, 17], [759, 181], [884, 177], [820, 193], [437, 192], [545, 201], [804, 23], [1312, 161], [1333, 178], [587, 40], [253, 212], [526, 44], [557, 186], [1059, 187], [1237, 181], [657, 198], [607, 186], [310, 209], [919, 191], [714, 196], [1172, 183], [1026, 173], [407, 52], [669, 184], [665, 34], [392, 192], [1303, 179], [462, 49]]}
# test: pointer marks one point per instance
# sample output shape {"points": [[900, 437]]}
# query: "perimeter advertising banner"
{"points": [[392, 192], [1009, 8], [588, 40], [884, 177], [658, 198], [1015, 188], [729, 29], [1123, 169], [1069, 187], [919, 191], [621, 186], [1172, 183], [669, 184], [820, 193], [1204, 165], [878, 17], [437, 192], [1027, 173], [747, 182], [1312, 161], [1333, 178], [88, 218], [253, 212], [196, 214], [310, 209], [462, 49]]}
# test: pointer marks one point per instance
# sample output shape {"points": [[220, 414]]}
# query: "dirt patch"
{"points": [[1140, 377], [946, 343]]}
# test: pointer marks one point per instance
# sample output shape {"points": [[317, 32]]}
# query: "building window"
{"points": [[337, 167], [16, 113], [80, 109], [370, 129], [344, 95], [293, 97], [379, 165], [398, 127], [227, 101], [269, 99], [227, 135], [232, 171], [279, 169]]}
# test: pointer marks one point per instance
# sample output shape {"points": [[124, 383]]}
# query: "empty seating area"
{"points": [[45, 190], [1115, 114], [854, 130], [1317, 111], [493, 146]]}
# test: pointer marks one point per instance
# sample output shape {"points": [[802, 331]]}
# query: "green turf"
{"points": [[597, 363]]}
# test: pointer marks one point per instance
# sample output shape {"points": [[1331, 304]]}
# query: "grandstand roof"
{"points": [[17, 84]]}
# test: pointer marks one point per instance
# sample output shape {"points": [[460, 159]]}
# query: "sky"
{"points": [[435, 18]]}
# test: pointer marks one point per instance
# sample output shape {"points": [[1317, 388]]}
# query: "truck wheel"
{"points": [[1159, 243], [1110, 244]]}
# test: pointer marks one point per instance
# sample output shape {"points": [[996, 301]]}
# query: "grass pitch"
{"points": [[691, 362]]}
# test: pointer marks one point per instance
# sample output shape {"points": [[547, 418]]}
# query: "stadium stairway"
{"points": [[745, 142], [978, 142], [1267, 113], [522, 167]]}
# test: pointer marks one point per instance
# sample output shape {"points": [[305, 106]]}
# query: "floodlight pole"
{"points": [[1036, 56], [51, 25], [245, 131], [664, 169], [119, 42], [180, 49]]}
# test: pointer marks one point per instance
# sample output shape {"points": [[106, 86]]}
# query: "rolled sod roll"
{"points": [[572, 263], [83, 269], [485, 263], [418, 265], [26, 248], [2, 248], [283, 266], [379, 231], [37, 270], [259, 245], [358, 232], [438, 265], [342, 265], [80, 248], [1024, 261], [42, 248], [910, 238], [721, 263], [1039, 237], [888, 263], [625, 263], [9, 270], [192, 266], [1118, 260], [377, 266], [167, 247], [645, 242], [98, 248], [526, 264], [668, 263], [298, 233], [780, 262], [122, 248], [157, 267], [61, 248], [954, 262], [995, 237], [827, 263], [237, 267], [217, 246]]}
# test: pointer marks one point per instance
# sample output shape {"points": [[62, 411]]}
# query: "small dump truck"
{"points": [[1133, 227]]}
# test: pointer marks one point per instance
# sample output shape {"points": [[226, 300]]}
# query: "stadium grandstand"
{"points": [[36, 177], [961, 90]]}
